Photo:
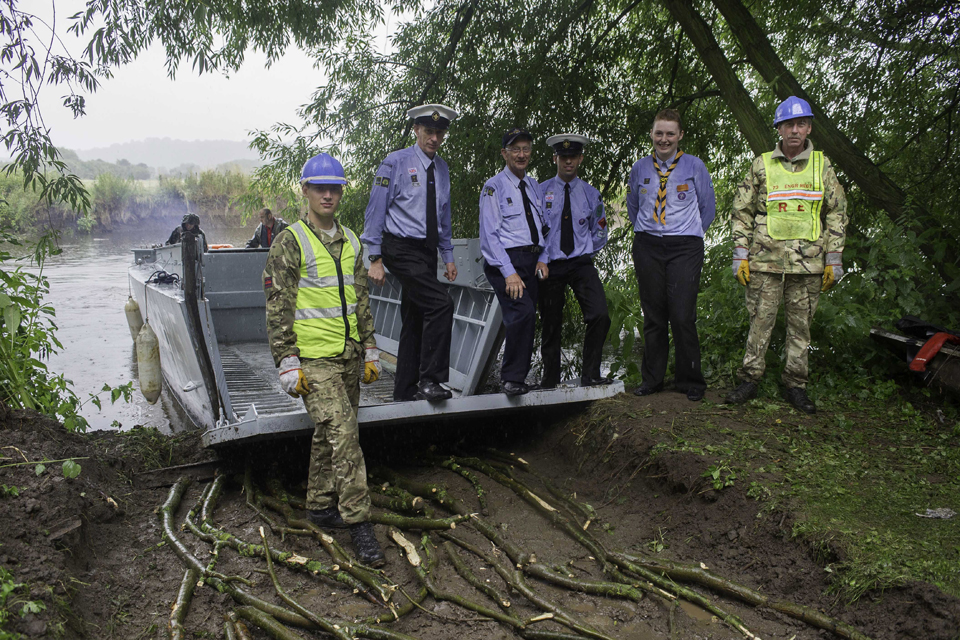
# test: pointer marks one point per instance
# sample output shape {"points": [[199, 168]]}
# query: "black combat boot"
{"points": [[366, 545], [328, 518], [746, 391], [798, 398]]}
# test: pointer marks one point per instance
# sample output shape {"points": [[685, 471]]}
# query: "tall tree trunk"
{"points": [[875, 184], [748, 117]]}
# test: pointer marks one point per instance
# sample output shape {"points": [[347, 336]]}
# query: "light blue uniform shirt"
{"points": [[398, 200], [691, 204], [503, 221], [587, 212]]}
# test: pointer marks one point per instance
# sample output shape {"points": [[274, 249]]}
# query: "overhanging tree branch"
{"points": [[748, 117]]}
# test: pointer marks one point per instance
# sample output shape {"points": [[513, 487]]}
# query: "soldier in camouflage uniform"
{"points": [[321, 335], [789, 235]]}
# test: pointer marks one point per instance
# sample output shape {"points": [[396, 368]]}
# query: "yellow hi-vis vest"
{"points": [[326, 299], [794, 199]]}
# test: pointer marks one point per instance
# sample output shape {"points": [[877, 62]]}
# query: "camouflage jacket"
{"points": [[749, 220], [281, 278]]}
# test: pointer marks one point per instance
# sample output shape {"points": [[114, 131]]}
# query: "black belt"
{"points": [[528, 248], [416, 242]]}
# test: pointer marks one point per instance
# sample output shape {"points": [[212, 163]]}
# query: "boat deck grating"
{"points": [[252, 379]]}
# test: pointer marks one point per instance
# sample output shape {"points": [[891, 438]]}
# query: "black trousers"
{"points": [[581, 276], [668, 277], [519, 316], [425, 307]]}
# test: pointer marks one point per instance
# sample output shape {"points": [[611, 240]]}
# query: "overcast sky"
{"points": [[142, 102]]}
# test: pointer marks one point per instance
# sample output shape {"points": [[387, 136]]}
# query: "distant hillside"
{"points": [[166, 153]]}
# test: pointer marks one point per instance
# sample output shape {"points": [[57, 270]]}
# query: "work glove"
{"points": [[832, 271], [292, 379], [741, 265], [371, 365]]}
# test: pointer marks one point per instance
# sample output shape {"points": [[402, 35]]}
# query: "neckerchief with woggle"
{"points": [[660, 207]]}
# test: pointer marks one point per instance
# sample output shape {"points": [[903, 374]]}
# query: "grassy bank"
{"points": [[851, 479]]}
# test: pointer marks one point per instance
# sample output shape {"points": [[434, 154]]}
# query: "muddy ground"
{"points": [[89, 548]]}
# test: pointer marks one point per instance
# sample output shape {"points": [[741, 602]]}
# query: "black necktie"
{"points": [[566, 223], [534, 235], [432, 237]]}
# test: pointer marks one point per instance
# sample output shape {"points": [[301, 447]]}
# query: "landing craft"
{"points": [[208, 312]]}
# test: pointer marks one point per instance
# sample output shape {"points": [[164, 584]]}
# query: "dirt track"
{"points": [[102, 573]]}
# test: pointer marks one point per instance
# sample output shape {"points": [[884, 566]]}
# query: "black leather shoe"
{"points": [[328, 518], [366, 545], [433, 392], [515, 388], [745, 391], [594, 382], [695, 394], [645, 390], [798, 398]]}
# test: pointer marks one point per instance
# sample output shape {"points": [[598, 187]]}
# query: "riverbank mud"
{"points": [[90, 554]]}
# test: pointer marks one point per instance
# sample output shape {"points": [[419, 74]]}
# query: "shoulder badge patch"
{"points": [[489, 191], [628, 188], [383, 181], [268, 282]]}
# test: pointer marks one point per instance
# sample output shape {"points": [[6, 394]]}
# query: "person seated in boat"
{"points": [[191, 224], [267, 230], [321, 336]]}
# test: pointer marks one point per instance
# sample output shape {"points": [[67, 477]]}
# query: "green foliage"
{"points": [[70, 469], [720, 476], [11, 605], [9, 492], [91, 169], [28, 337], [854, 477]]}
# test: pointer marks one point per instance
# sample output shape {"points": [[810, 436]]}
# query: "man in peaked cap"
{"points": [[576, 216], [407, 221], [512, 230], [789, 225]]}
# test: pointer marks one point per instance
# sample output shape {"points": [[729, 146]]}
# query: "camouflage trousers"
{"points": [[338, 474], [800, 295]]}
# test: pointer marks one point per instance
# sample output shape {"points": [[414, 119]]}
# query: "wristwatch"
{"points": [[374, 258]]}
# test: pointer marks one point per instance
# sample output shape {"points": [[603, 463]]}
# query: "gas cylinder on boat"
{"points": [[134, 319], [148, 363]]}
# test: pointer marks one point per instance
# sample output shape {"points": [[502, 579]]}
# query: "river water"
{"points": [[88, 288]]}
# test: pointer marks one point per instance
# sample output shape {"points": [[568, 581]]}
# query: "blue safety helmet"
{"points": [[322, 169], [792, 107]]}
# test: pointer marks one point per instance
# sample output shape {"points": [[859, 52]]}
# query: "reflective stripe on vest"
{"points": [[794, 199], [326, 297]]}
